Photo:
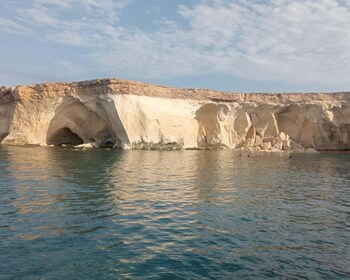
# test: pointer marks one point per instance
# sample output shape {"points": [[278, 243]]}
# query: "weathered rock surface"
{"points": [[127, 114]]}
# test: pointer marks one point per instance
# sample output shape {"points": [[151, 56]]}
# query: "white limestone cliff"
{"points": [[127, 114]]}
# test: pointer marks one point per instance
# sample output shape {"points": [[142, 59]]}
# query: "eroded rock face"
{"points": [[76, 123], [8, 103], [124, 114]]}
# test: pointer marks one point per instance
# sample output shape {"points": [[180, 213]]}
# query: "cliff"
{"points": [[127, 114]]}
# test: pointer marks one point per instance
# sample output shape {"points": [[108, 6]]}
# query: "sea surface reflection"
{"points": [[117, 214]]}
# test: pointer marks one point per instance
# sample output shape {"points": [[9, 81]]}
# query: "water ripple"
{"points": [[184, 215]]}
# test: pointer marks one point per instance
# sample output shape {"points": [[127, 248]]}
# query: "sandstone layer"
{"points": [[127, 114]]}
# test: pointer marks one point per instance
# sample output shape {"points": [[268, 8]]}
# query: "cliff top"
{"points": [[119, 86]]}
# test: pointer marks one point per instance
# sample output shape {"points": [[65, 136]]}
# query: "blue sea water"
{"points": [[116, 214]]}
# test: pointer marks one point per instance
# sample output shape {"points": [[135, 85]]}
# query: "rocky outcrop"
{"points": [[126, 114]]}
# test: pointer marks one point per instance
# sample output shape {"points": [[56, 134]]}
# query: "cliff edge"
{"points": [[127, 114]]}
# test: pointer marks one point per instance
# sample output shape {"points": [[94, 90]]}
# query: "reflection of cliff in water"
{"points": [[67, 183], [132, 185]]}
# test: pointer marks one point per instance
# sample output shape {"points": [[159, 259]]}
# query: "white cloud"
{"points": [[105, 8], [65, 4], [68, 38], [289, 41], [10, 26], [38, 16], [295, 41], [48, 13]]}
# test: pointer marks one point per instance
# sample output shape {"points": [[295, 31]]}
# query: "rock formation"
{"points": [[126, 114]]}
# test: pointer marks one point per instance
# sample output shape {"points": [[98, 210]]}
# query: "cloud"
{"points": [[64, 4], [292, 41], [108, 9], [288, 41], [295, 41], [49, 13], [38, 16], [68, 38], [9, 26]]}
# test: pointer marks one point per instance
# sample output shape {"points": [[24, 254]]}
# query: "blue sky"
{"points": [[232, 45]]}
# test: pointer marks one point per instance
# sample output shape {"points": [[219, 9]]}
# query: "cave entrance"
{"points": [[107, 144], [65, 136]]}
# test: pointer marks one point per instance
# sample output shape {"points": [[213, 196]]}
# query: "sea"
{"points": [[194, 214]]}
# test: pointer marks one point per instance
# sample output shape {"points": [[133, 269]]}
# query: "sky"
{"points": [[230, 45]]}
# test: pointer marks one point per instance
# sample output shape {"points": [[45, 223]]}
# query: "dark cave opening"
{"points": [[65, 136], [107, 144]]}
